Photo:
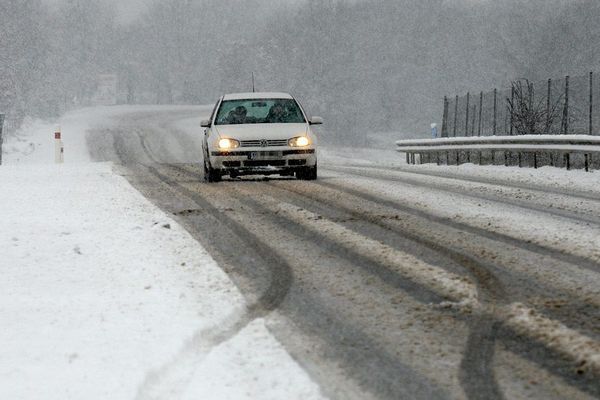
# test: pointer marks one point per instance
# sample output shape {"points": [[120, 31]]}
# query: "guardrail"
{"points": [[569, 151]]}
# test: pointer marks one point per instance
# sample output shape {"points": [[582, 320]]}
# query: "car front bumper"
{"points": [[263, 161]]}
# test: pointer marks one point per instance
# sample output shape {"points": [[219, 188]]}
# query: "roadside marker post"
{"points": [[59, 148], [434, 131]]}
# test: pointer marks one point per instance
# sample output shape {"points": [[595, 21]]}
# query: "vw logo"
{"points": [[264, 143]]}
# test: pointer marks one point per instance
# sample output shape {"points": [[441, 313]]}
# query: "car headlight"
{"points": [[227, 144], [300, 141]]}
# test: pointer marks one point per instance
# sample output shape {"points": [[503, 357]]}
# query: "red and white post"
{"points": [[59, 148]]}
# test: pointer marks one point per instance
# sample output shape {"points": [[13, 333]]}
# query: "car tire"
{"points": [[211, 175], [307, 174]]}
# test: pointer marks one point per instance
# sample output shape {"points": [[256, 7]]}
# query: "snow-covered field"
{"points": [[102, 293]]}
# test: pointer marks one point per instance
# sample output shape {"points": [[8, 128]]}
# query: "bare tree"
{"points": [[530, 116]]}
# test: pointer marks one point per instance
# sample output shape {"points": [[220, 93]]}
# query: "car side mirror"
{"points": [[316, 121], [205, 124]]}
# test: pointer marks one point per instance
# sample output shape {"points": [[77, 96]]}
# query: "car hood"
{"points": [[262, 131]]}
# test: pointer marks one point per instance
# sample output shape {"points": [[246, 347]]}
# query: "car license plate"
{"points": [[261, 155]]}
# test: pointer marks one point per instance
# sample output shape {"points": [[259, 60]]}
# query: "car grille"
{"points": [[263, 143]]}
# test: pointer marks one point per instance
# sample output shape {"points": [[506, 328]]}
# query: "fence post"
{"points": [[548, 102], [531, 90], [455, 115], [445, 118], [473, 124], [591, 103], [495, 110], [1, 138], [480, 113], [565, 121], [587, 163], [568, 161], [512, 108], [467, 117]]}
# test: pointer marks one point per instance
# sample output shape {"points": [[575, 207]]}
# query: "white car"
{"points": [[259, 134]]}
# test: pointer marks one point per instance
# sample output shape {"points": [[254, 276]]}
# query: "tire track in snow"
{"points": [[477, 375], [494, 312], [404, 377], [496, 236], [569, 343], [171, 379]]}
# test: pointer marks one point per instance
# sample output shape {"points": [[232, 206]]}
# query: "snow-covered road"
{"points": [[380, 280]]}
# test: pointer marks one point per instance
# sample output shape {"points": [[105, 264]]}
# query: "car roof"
{"points": [[259, 95]]}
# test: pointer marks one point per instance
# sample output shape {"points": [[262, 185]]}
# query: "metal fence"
{"points": [[562, 106]]}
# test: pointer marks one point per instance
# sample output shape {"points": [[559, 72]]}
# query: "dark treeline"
{"points": [[375, 65]]}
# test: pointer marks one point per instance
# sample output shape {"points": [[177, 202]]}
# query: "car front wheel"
{"points": [[210, 174], [307, 174]]}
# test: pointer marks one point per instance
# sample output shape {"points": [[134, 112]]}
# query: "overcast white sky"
{"points": [[128, 9], [131, 8]]}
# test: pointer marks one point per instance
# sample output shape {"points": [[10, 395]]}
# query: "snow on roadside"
{"points": [[253, 351], [578, 180], [33, 143], [100, 289], [551, 177], [99, 286]]}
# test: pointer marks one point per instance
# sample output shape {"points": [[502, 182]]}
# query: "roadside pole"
{"points": [[1, 138], [59, 148]]}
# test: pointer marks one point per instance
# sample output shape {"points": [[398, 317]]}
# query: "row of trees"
{"points": [[364, 65], [48, 60]]}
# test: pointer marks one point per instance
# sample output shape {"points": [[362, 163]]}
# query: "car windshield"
{"points": [[259, 111]]}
